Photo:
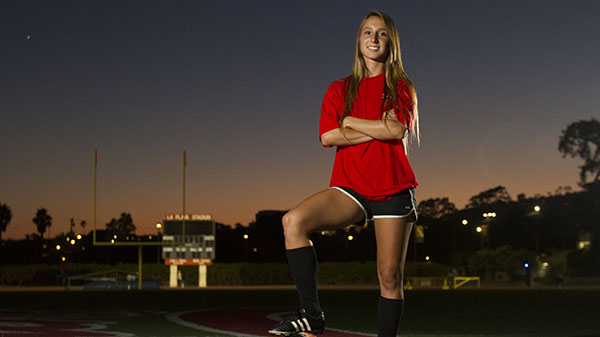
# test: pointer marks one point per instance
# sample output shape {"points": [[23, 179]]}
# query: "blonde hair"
{"points": [[394, 73]]}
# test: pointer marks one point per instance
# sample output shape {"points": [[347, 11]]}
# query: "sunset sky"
{"points": [[239, 84]]}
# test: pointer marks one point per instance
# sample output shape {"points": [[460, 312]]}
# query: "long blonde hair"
{"points": [[394, 73]]}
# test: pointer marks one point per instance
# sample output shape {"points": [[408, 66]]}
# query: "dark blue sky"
{"points": [[238, 84]]}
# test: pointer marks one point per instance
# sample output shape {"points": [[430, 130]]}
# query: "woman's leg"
{"points": [[392, 236], [328, 209]]}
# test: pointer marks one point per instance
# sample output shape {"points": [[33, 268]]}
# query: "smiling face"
{"points": [[374, 40]]}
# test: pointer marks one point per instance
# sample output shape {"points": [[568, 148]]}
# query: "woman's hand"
{"points": [[390, 115], [346, 122]]}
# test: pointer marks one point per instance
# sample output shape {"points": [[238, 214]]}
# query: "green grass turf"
{"points": [[567, 313]]}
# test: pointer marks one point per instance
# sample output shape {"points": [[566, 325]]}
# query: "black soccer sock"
{"points": [[389, 313], [303, 263]]}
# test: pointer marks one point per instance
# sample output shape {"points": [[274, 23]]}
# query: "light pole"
{"points": [[479, 230], [536, 211], [158, 228], [483, 229], [246, 238]]}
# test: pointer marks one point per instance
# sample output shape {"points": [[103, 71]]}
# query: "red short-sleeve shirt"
{"points": [[376, 169]]}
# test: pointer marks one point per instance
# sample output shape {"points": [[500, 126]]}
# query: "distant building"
{"points": [[267, 241]]}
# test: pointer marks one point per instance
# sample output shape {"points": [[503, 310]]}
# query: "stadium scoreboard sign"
{"points": [[187, 217], [199, 246]]}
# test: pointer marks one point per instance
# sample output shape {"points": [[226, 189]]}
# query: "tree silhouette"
{"points": [[83, 223], [436, 208], [42, 220], [488, 197], [5, 217], [582, 139], [122, 226]]}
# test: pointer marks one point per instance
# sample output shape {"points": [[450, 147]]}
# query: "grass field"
{"points": [[568, 313]]}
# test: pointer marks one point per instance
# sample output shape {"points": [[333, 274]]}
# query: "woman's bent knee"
{"points": [[292, 225], [294, 231]]}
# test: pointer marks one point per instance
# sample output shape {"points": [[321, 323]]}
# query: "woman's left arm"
{"points": [[383, 129]]}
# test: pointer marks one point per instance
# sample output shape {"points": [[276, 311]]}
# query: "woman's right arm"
{"points": [[335, 137], [329, 128]]}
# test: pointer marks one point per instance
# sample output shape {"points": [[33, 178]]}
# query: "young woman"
{"points": [[367, 116]]}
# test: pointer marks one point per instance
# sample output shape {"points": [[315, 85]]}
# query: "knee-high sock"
{"points": [[389, 313], [303, 263]]}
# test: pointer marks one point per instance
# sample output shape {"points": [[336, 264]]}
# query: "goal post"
{"points": [[138, 244]]}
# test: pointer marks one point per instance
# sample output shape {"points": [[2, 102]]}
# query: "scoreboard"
{"points": [[199, 238]]}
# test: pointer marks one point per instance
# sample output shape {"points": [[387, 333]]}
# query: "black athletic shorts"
{"points": [[400, 205]]}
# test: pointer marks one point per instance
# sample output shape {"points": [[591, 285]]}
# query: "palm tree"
{"points": [[83, 223], [5, 217], [42, 220]]}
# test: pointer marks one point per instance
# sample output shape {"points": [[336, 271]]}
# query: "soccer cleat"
{"points": [[299, 323]]}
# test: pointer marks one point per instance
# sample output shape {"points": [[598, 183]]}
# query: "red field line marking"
{"points": [[14, 324]]}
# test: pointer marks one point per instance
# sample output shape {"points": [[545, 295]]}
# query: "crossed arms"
{"points": [[354, 130]]}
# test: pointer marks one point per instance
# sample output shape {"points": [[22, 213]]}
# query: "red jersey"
{"points": [[376, 169]]}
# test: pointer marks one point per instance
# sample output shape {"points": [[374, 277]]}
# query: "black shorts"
{"points": [[400, 205]]}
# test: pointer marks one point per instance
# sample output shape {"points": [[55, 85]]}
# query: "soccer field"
{"points": [[186, 313]]}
